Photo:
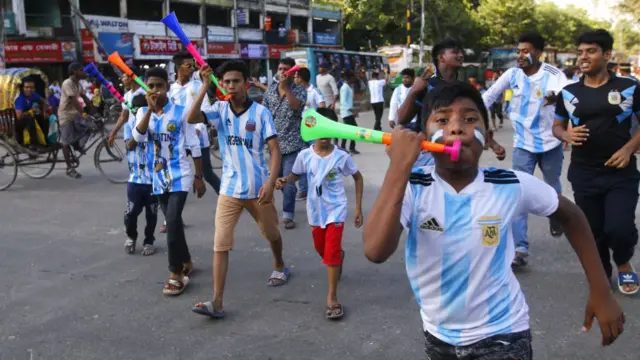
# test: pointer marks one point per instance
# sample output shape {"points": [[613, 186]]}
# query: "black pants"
{"points": [[141, 197], [172, 205], [378, 108], [497, 347], [609, 203], [349, 120], [207, 171], [496, 110]]}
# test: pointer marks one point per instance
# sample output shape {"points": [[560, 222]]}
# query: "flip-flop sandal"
{"points": [[279, 278], [207, 309], [72, 173], [518, 262], [148, 250], [130, 246], [175, 287], [628, 278], [555, 229], [335, 311]]}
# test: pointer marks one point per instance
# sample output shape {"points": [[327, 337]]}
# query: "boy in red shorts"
{"points": [[325, 165]]}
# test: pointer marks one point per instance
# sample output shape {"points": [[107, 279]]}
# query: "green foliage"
{"points": [[631, 7], [504, 20], [561, 27]]}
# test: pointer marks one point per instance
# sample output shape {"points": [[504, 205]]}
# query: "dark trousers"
{"points": [[378, 108], [498, 347], [349, 120], [172, 205], [207, 171], [496, 110], [609, 203], [141, 197]]}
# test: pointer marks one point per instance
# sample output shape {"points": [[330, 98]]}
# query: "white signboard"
{"points": [[250, 34], [107, 24], [155, 28], [220, 34]]}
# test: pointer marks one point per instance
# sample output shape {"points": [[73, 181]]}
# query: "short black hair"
{"points": [[375, 75], [446, 93], [600, 37], [157, 72], [304, 74], [443, 45], [288, 61], [139, 101], [234, 65], [328, 113], [534, 39], [408, 72], [180, 57], [136, 71], [28, 79]]}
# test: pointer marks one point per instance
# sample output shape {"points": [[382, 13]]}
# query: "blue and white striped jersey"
{"points": [[397, 98], [128, 97], [326, 199], [460, 247], [242, 138], [140, 159], [531, 119], [170, 135], [185, 95]]}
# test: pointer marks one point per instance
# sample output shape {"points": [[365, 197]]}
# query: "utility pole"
{"points": [[422, 33], [409, 7], [2, 35]]}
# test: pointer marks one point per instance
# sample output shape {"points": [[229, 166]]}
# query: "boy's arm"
{"points": [[541, 199], [497, 89], [194, 114], [357, 177], [384, 226], [142, 124]]}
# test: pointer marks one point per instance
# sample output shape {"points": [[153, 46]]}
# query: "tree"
{"points": [[631, 7], [561, 27], [626, 38], [504, 20]]}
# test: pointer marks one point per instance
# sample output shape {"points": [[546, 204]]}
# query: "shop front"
{"points": [[50, 56], [255, 55], [275, 52], [153, 51], [221, 45]]}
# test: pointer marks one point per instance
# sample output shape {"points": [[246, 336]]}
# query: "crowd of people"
{"points": [[467, 225]]}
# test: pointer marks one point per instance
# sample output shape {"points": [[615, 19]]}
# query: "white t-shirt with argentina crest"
{"points": [[170, 135]]}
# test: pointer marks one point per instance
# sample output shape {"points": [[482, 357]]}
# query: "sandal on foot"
{"points": [[148, 250], [187, 269], [207, 309], [628, 278], [518, 262], [72, 173], [130, 246], [335, 312], [289, 224], [175, 287], [279, 278], [555, 228]]}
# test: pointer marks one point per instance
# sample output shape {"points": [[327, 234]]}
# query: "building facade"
{"points": [[45, 34]]}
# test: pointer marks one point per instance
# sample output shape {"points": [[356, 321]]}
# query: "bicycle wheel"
{"points": [[40, 168], [8, 167], [112, 162]]}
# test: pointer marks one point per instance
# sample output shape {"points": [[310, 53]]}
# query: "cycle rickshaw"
{"points": [[39, 162]]}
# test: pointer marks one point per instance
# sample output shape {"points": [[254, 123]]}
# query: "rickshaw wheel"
{"points": [[8, 165], [46, 168]]}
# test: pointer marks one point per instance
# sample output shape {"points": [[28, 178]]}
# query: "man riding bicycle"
{"points": [[73, 125]]}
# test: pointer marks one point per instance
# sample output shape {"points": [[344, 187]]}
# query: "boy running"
{"points": [[324, 165], [460, 242], [139, 188], [244, 127], [165, 123]]}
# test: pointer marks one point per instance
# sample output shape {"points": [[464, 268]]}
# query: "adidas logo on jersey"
{"points": [[432, 224]]}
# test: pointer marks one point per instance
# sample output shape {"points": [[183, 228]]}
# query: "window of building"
{"points": [[218, 16], [147, 10], [187, 13], [104, 8]]}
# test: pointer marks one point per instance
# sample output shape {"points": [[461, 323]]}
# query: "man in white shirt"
{"points": [[327, 85], [376, 91], [400, 95], [535, 86], [314, 97]]}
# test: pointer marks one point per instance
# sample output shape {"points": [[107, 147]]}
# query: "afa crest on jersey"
{"points": [[490, 230]]}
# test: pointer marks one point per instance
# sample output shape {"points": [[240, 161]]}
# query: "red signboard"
{"points": [[40, 51], [165, 46], [275, 50], [88, 48], [222, 50]]}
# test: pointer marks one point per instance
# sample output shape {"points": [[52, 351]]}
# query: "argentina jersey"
{"points": [[185, 95], [397, 98], [242, 137], [532, 119], [326, 198], [460, 247], [140, 159], [170, 135], [128, 97]]}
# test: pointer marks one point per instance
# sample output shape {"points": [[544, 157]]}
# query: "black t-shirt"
{"points": [[607, 113]]}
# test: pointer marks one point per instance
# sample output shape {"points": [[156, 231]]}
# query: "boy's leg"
{"points": [[378, 109], [133, 209], [266, 217], [228, 212], [551, 166], [620, 225], [207, 171], [289, 191], [176, 244], [526, 162], [333, 259], [151, 214], [500, 347], [593, 206], [350, 120]]}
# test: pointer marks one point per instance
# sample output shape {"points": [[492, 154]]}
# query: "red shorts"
{"points": [[328, 243]]}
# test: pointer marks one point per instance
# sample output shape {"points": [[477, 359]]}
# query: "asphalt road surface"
{"points": [[69, 291]]}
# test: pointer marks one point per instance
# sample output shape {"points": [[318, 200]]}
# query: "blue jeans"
{"points": [[289, 190], [550, 163]]}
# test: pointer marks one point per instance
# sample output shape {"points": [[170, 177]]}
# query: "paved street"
{"points": [[69, 291]]}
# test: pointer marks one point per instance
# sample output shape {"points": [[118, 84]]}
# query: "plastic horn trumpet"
{"points": [[315, 126], [92, 70], [292, 70], [116, 60], [171, 21]]}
